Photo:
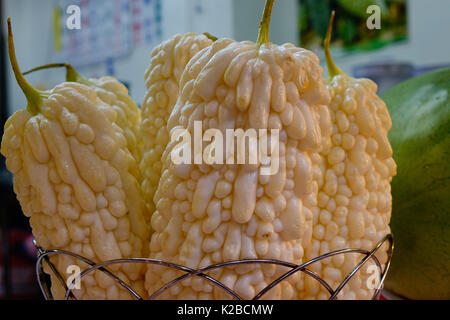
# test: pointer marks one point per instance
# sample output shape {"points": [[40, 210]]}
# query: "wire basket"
{"points": [[44, 282]]}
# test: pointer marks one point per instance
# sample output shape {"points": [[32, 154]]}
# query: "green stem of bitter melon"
{"points": [[210, 36], [264, 26], [333, 70], [71, 74], [34, 96], [45, 66]]}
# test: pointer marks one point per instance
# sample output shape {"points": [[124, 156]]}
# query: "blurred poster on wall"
{"points": [[109, 29], [146, 17], [105, 31], [351, 32]]}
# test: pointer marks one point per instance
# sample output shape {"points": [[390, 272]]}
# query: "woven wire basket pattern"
{"points": [[44, 283]]}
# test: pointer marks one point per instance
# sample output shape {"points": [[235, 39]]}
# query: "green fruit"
{"points": [[420, 137]]}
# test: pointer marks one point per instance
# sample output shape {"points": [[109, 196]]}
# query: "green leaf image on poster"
{"points": [[351, 32]]}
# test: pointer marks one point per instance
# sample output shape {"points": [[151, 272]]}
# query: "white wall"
{"points": [[238, 19], [247, 15]]}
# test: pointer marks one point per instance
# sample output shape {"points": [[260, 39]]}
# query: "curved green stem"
{"points": [[210, 36], [264, 26], [333, 70], [34, 96], [45, 66], [71, 74]]}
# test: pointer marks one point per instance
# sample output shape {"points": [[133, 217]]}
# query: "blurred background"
{"points": [[117, 36]]}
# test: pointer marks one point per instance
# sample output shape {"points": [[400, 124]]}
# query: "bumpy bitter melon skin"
{"points": [[207, 214], [73, 177], [355, 194], [113, 92], [162, 82]]}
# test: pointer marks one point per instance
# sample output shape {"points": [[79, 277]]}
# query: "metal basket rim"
{"points": [[43, 256]]}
